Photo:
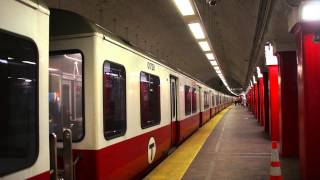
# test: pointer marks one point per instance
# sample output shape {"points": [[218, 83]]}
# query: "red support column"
{"points": [[266, 100], [254, 100], [248, 99], [274, 102], [256, 97], [261, 101], [308, 53], [251, 99], [288, 100]]}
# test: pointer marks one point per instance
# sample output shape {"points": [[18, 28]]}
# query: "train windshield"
{"points": [[66, 94], [18, 103]]}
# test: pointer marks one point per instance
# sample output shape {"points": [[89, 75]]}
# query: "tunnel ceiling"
{"points": [[157, 27]]}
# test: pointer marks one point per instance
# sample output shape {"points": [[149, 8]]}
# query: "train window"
{"points": [[114, 100], [194, 100], [206, 100], [18, 103], [217, 100], [187, 100], [66, 93], [149, 100], [212, 100]]}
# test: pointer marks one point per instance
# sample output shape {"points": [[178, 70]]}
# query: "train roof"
{"points": [[80, 25], [36, 4]]}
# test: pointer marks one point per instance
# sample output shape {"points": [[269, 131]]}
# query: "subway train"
{"points": [[82, 103]]}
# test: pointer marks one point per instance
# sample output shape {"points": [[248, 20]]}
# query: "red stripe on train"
{"points": [[205, 117], [188, 126], [129, 159]]}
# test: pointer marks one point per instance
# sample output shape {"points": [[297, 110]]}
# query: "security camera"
{"points": [[212, 2]]}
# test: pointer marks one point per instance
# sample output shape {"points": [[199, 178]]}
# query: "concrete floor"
{"points": [[237, 149]]}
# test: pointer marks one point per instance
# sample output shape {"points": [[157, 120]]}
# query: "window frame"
{"points": [[153, 124], [126, 120], [74, 51], [33, 160]]}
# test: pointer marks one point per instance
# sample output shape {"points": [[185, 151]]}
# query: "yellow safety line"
{"points": [[175, 165]]}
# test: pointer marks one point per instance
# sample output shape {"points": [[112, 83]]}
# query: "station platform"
{"points": [[232, 145]]}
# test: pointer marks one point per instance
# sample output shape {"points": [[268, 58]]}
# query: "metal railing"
{"points": [[68, 171]]}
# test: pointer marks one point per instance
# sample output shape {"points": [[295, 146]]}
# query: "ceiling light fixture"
{"points": [[196, 30], [310, 11], [270, 58], [184, 7], [210, 56], [204, 45], [259, 73], [214, 63]]}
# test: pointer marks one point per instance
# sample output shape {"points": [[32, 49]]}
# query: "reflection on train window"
{"points": [[66, 94], [194, 100], [18, 103], [187, 100], [149, 100], [114, 100], [206, 100]]}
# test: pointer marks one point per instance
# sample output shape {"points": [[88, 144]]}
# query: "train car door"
{"points": [[173, 102], [66, 121]]}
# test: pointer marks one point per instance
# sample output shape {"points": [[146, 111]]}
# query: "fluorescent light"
{"points": [[218, 71], [270, 58], [53, 69], [311, 11], [204, 45], [254, 79], [25, 79], [196, 30], [184, 7], [29, 62], [213, 63], [259, 73], [210, 56], [216, 67], [3, 61]]}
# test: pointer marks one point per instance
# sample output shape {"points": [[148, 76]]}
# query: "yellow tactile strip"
{"points": [[175, 165]]}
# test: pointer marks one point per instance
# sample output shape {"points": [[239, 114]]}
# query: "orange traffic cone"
{"points": [[275, 170]]}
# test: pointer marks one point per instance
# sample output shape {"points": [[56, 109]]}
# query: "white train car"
{"points": [[24, 45], [213, 103], [189, 107], [205, 112], [115, 100], [125, 110]]}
